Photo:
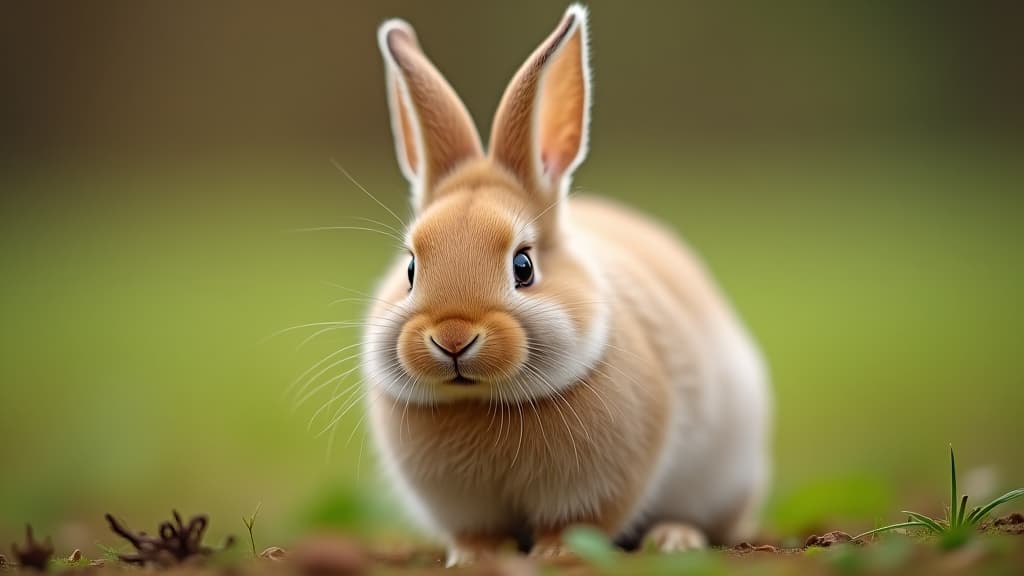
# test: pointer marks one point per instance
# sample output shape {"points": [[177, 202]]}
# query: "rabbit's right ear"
{"points": [[433, 130], [540, 128]]}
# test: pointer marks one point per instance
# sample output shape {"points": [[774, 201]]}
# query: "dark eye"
{"points": [[412, 270], [522, 269]]}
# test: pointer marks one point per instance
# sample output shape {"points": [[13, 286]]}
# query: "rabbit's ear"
{"points": [[540, 129], [432, 128]]}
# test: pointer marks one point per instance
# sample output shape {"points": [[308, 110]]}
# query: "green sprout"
{"points": [[249, 522], [111, 554], [958, 524], [590, 544]]}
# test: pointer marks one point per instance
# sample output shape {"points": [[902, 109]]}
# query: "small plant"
{"points": [[176, 543], [109, 554], [249, 522], [958, 524], [34, 554]]}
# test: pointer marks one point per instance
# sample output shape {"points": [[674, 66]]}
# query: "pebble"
{"points": [[273, 553], [828, 539]]}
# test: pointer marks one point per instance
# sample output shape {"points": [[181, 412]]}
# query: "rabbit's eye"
{"points": [[412, 270], [522, 269]]}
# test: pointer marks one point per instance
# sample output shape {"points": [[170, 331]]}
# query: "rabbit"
{"points": [[535, 361]]}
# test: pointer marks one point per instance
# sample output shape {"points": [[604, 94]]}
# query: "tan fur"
{"points": [[562, 117], [421, 97], [617, 390]]}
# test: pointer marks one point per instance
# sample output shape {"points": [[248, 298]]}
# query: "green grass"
{"points": [[958, 525]]}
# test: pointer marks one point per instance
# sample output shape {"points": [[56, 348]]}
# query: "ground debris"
{"points": [[747, 547], [828, 539], [273, 553], [176, 543], [35, 555], [507, 566], [1009, 524], [1010, 520], [3, 562]]}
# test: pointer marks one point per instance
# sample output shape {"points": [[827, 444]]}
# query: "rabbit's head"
{"points": [[496, 298]]}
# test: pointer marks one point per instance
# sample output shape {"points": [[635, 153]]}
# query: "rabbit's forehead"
{"points": [[470, 223]]}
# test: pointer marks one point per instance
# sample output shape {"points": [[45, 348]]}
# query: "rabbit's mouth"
{"points": [[461, 380]]}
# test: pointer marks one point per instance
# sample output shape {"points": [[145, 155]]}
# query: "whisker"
{"points": [[302, 389], [401, 241], [365, 191], [337, 419], [367, 296], [544, 211], [597, 393], [379, 223], [299, 327], [295, 382], [335, 395], [565, 422], [519, 445]]}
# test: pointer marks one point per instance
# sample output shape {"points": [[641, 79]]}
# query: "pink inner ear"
{"points": [[546, 164], [563, 103], [553, 165]]}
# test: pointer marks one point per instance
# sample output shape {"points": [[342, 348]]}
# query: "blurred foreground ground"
{"points": [[997, 550]]}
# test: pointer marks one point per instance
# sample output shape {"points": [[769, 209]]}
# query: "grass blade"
{"points": [[951, 517], [962, 511], [971, 516], [930, 523], [891, 527], [979, 513]]}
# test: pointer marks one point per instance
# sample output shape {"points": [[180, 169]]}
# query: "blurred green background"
{"points": [[852, 172]]}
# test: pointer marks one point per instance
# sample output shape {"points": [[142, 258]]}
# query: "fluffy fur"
{"points": [[618, 389]]}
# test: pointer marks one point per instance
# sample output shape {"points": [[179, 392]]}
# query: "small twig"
{"points": [[35, 555], [176, 542]]}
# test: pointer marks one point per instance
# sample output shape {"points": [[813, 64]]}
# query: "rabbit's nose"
{"points": [[454, 337]]}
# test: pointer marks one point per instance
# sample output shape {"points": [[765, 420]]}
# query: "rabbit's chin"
{"points": [[525, 386]]}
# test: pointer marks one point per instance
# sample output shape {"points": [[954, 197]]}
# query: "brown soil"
{"points": [[180, 552]]}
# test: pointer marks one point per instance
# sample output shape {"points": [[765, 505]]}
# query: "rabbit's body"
{"points": [[675, 355], [539, 361], [717, 385]]}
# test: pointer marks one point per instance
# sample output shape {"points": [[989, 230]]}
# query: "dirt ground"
{"points": [[178, 550]]}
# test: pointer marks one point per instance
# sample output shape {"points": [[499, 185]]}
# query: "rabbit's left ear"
{"points": [[540, 129], [433, 130]]}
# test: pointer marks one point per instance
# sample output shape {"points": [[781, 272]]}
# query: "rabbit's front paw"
{"points": [[549, 547], [669, 537], [470, 551]]}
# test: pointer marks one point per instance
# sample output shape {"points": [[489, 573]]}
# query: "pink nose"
{"points": [[453, 337]]}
